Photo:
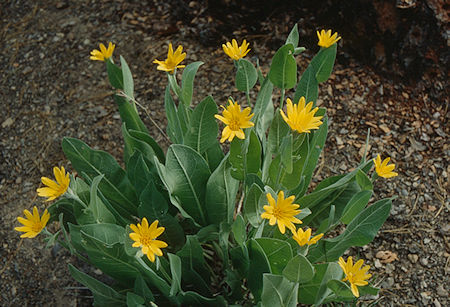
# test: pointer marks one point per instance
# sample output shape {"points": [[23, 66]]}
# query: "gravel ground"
{"points": [[50, 89]]}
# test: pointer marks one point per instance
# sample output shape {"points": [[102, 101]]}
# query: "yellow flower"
{"points": [[326, 39], [304, 237], [172, 61], [234, 51], [382, 169], [235, 119], [145, 236], [33, 224], [300, 117], [354, 273], [55, 189], [282, 212], [103, 54]]}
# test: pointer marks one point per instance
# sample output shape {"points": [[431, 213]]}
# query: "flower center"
{"points": [[234, 124], [146, 239], [37, 227], [277, 212]]}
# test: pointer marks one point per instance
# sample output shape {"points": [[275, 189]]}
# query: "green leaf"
{"points": [[340, 289], [174, 129], [144, 137], [103, 294], [134, 300], [187, 82], [99, 211], [185, 176], [116, 186], [364, 181], [359, 232], [221, 190], [154, 206], [194, 267], [323, 63], [245, 156], [259, 265], [175, 269], [141, 288], [110, 258], [315, 291], [278, 130], [114, 75], [246, 75], [308, 86], [138, 171], [252, 209], [240, 260], [286, 153], [129, 115], [283, 70], [203, 128], [278, 291], [278, 253], [191, 298], [128, 85], [238, 230], [214, 156], [293, 37], [263, 99], [299, 269], [356, 204], [133, 144]]}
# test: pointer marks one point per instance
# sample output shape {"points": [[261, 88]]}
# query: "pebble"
{"points": [[424, 261], [413, 258], [441, 291], [436, 303]]}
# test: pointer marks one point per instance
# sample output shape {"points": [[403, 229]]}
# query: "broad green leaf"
{"points": [[195, 274], [191, 298], [323, 63], [214, 156], [175, 270], [253, 154], [187, 82], [264, 121], [99, 211], [340, 289], [138, 171], [114, 75], [110, 258], [283, 70], [278, 253], [134, 300], [240, 260], [133, 144], [299, 269], [263, 99], [290, 180], [203, 128], [116, 186], [356, 204], [174, 129], [252, 209], [359, 232], [221, 190], [308, 86], [144, 137], [129, 115], [238, 229], [104, 295], [185, 176], [278, 130], [184, 115], [278, 291], [246, 75], [154, 279], [286, 153], [128, 85], [259, 265], [364, 181], [245, 156], [154, 206], [293, 37], [315, 291], [141, 288]]}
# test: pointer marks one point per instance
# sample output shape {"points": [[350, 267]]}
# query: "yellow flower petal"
{"points": [[104, 53], [235, 120], [326, 39], [383, 169], [355, 275], [301, 118], [144, 237], [173, 60], [282, 212], [55, 189], [234, 51], [33, 224]]}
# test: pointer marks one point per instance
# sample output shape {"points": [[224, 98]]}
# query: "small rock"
{"points": [[413, 258], [436, 303], [424, 261], [441, 291], [377, 263], [8, 122], [436, 115]]}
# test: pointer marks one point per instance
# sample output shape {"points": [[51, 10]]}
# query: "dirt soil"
{"points": [[50, 89]]}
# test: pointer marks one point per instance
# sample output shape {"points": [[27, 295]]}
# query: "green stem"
{"points": [[283, 91]]}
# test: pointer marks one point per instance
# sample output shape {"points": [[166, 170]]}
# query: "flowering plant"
{"points": [[195, 226]]}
